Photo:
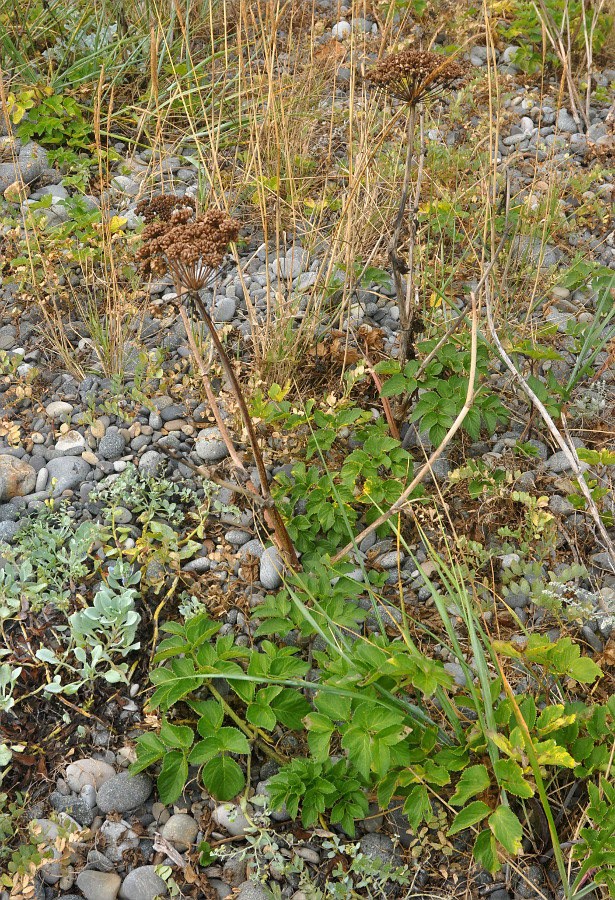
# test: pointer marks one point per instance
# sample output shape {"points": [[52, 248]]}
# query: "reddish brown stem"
{"points": [[285, 543]]}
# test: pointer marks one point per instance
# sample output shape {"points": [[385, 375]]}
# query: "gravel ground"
{"points": [[63, 452]]}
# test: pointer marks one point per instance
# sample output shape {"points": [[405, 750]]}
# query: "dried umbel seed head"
{"points": [[414, 75], [191, 249], [163, 207]]}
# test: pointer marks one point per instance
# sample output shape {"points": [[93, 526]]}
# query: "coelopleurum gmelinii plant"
{"points": [[191, 247]]}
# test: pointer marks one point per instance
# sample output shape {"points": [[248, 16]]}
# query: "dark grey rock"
{"points": [[99, 862], [69, 473], [174, 411], [8, 512], [251, 890], [123, 793], [592, 639], [517, 601], [271, 568], [379, 846], [8, 530], [112, 445], [210, 447], [225, 310], [74, 806], [143, 884], [151, 462]]}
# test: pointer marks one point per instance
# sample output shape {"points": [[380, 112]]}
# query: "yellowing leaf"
{"points": [[116, 223]]}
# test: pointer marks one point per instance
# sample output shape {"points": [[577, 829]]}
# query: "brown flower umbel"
{"points": [[189, 247], [414, 75], [163, 207]]}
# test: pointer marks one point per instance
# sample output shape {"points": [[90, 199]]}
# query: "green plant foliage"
{"points": [[443, 388], [49, 118], [319, 786]]}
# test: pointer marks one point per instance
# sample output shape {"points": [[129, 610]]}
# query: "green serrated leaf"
{"points": [[485, 852], [469, 815], [179, 736], [223, 777], [507, 829], [474, 780], [416, 805], [173, 776]]}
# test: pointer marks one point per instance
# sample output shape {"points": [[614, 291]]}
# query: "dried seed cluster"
{"points": [[414, 75], [189, 247], [163, 207]]}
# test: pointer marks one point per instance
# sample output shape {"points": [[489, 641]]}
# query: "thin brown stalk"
{"points": [[405, 335], [211, 399], [286, 545], [406, 350]]}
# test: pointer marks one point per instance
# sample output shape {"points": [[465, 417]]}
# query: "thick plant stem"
{"points": [[211, 399], [406, 350], [405, 310], [286, 545]]}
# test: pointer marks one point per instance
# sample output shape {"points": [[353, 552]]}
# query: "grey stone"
{"points": [[225, 310], [379, 846], [123, 792], [69, 473], [31, 162], [271, 569], [210, 447], [603, 561], [558, 463], [251, 890], [592, 639], [565, 122], [88, 771], [8, 530], [459, 676], [252, 547], [236, 538], [151, 462], [112, 445], [71, 444], [341, 30], [8, 512], [58, 408], [125, 185], [181, 829], [223, 890], [531, 249], [74, 806], [98, 885], [533, 877], [200, 564], [174, 411], [231, 818], [517, 601], [294, 263], [143, 884], [508, 54], [99, 862], [560, 505], [119, 837]]}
